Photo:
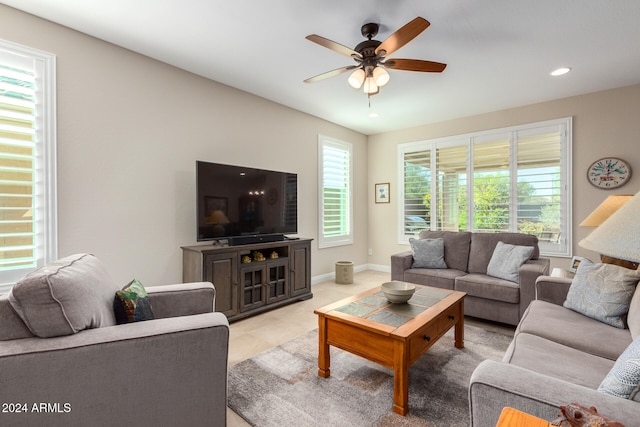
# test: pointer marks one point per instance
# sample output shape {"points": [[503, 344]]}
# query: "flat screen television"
{"points": [[240, 202]]}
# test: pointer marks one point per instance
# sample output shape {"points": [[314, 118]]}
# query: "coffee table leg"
{"points": [[400, 379], [324, 356], [459, 328]]}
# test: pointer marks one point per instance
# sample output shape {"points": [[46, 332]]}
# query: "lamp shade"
{"points": [[619, 235], [381, 76], [357, 78], [605, 210], [370, 86]]}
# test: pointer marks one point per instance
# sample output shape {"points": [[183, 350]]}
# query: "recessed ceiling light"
{"points": [[373, 115], [560, 71]]}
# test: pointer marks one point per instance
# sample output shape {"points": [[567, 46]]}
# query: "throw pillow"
{"points": [[65, 297], [507, 259], [623, 380], [428, 253], [131, 304], [602, 292]]}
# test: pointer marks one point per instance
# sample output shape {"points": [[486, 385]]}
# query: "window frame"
{"points": [[564, 247], [345, 238], [45, 183]]}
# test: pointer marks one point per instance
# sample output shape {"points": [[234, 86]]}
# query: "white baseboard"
{"points": [[356, 269], [378, 267]]}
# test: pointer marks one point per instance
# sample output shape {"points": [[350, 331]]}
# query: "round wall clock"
{"points": [[608, 173]]}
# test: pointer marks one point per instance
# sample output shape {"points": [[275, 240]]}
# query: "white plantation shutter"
{"points": [[17, 168], [335, 202], [491, 183], [540, 157], [515, 179], [27, 190], [451, 164], [417, 192]]}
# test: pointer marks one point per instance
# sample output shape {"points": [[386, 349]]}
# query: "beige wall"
{"points": [[604, 124], [130, 130]]}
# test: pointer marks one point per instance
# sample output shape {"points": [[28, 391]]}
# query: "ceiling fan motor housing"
{"points": [[369, 58]]}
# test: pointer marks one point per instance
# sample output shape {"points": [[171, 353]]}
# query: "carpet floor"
{"points": [[280, 387]]}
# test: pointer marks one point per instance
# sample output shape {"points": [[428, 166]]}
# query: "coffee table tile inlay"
{"points": [[393, 335]]}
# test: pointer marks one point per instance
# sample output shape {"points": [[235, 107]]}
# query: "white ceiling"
{"points": [[499, 52]]}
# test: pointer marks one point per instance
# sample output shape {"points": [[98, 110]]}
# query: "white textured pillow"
{"points": [[65, 297], [428, 253], [623, 380], [506, 261], [602, 292]]}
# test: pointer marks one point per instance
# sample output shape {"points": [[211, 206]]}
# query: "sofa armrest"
{"points": [[552, 289], [116, 374], [183, 299], [528, 273], [494, 385], [400, 263]]}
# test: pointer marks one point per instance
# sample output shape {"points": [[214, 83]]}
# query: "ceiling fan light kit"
{"points": [[370, 86], [380, 76], [357, 78], [370, 57]]}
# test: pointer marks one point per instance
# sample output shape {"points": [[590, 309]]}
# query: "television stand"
{"points": [[251, 278]]}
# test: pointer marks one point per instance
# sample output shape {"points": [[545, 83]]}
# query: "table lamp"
{"points": [[617, 239], [605, 210]]}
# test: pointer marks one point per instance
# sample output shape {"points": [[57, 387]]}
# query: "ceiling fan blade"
{"points": [[415, 65], [336, 47], [331, 73], [403, 36]]}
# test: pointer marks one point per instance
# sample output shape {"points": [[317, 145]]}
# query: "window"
{"points": [[336, 204], [27, 161], [514, 179]]}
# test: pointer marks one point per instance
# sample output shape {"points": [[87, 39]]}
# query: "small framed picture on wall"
{"points": [[382, 193], [575, 262]]}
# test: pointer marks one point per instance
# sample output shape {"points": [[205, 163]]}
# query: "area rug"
{"points": [[280, 387]]}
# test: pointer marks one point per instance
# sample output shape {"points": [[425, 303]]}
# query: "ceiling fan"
{"points": [[370, 56]]}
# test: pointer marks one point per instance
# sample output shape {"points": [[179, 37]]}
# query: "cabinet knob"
{"points": [[451, 317], [427, 338]]}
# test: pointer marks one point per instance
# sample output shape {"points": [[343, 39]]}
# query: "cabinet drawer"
{"points": [[448, 319], [424, 338]]}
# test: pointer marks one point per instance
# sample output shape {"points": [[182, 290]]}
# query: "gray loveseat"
{"points": [[467, 256], [557, 357], [88, 371]]}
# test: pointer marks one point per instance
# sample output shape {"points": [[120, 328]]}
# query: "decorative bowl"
{"points": [[398, 292]]}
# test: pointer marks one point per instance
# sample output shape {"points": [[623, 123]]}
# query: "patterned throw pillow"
{"points": [[602, 292], [623, 380], [507, 259], [131, 304], [428, 253]]}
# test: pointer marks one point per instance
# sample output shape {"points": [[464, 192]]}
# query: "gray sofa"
{"points": [[557, 357], [90, 371], [467, 256]]}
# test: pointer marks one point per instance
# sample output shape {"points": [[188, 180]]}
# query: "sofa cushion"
{"points": [[427, 253], [456, 247], [483, 245], [11, 325], [507, 259], [131, 304], [483, 286], [633, 318], [602, 292], [573, 329], [439, 278], [65, 297], [623, 379], [550, 358]]}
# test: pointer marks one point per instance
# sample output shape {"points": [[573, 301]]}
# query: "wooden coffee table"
{"points": [[393, 335]]}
